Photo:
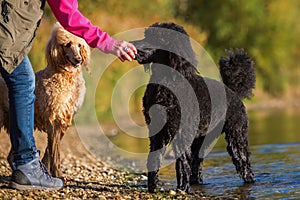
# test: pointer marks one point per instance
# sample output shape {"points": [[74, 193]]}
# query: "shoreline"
{"points": [[273, 104], [86, 177]]}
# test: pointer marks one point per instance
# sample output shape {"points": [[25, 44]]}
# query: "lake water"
{"points": [[275, 147]]}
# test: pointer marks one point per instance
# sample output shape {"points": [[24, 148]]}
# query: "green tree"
{"points": [[265, 28]]}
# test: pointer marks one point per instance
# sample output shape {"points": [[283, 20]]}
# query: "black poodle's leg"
{"points": [[197, 160], [183, 172], [154, 162], [182, 150], [238, 148]]}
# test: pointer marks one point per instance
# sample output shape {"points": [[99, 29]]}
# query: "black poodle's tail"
{"points": [[237, 72]]}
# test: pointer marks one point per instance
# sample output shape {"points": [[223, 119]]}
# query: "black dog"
{"points": [[190, 111]]}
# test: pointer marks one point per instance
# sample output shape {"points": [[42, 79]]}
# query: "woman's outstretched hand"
{"points": [[124, 50]]}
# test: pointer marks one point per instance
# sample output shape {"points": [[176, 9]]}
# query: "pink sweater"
{"points": [[68, 15]]}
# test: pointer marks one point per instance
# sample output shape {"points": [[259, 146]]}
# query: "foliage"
{"points": [[268, 29]]}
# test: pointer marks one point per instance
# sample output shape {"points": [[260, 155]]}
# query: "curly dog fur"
{"points": [[60, 90], [3, 105], [166, 52]]}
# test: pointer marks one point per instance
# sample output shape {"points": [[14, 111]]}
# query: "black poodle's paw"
{"points": [[248, 176], [151, 189], [185, 189], [153, 181], [249, 179], [159, 184], [194, 180]]}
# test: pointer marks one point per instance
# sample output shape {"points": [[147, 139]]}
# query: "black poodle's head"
{"points": [[167, 44]]}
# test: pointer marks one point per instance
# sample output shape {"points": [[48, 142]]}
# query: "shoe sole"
{"points": [[17, 186]]}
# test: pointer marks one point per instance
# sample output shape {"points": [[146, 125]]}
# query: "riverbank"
{"points": [[86, 176], [262, 100]]}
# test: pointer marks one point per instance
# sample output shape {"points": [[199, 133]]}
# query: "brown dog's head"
{"points": [[66, 51]]}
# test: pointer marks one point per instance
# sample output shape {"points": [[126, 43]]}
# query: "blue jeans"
{"points": [[21, 84]]}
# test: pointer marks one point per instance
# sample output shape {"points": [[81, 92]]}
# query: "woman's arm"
{"points": [[68, 15]]}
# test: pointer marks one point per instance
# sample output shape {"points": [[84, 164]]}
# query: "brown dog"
{"points": [[60, 90]]}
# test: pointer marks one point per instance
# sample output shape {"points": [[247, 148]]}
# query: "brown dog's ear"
{"points": [[54, 55], [50, 52], [85, 54]]}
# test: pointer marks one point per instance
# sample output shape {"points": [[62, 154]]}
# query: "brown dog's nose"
{"points": [[78, 60]]}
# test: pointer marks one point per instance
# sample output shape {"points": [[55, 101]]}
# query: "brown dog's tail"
{"points": [[237, 72]]}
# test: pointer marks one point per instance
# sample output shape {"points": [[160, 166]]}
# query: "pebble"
{"points": [[172, 192]]}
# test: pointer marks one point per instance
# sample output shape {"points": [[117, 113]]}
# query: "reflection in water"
{"points": [[274, 126]]}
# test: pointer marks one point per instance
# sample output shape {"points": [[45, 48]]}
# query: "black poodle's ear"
{"points": [[184, 65]]}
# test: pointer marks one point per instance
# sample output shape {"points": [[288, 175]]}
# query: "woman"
{"points": [[19, 22]]}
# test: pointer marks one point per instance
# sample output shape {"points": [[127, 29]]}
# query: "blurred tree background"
{"points": [[267, 29]]}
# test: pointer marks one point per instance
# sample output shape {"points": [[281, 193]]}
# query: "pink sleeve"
{"points": [[68, 15]]}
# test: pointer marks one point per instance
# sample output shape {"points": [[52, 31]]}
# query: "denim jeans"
{"points": [[21, 84]]}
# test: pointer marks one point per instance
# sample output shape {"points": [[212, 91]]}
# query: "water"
{"points": [[276, 168], [275, 147]]}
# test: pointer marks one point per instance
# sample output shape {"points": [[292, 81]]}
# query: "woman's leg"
{"points": [[21, 85], [28, 171]]}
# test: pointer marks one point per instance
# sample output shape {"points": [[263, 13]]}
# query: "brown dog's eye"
{"points": [[79, 45], [68, 45]]}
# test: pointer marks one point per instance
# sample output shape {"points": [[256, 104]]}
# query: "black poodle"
{"points": [[191, 111]]}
